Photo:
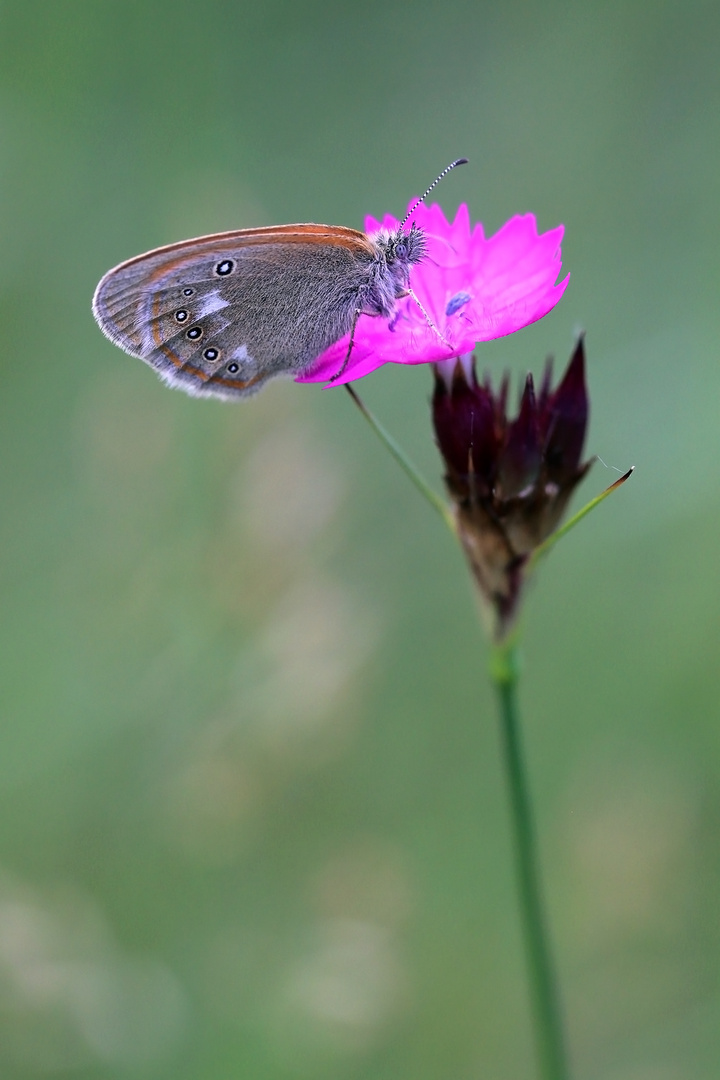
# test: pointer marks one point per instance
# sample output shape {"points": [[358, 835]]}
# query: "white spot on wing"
{"points": [[211, 303], [241, 353]]}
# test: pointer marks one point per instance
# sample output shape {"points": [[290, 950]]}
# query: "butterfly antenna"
{"points": [[453, 165]]}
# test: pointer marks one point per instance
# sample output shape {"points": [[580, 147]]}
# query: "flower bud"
{"points": [[510, 480]]}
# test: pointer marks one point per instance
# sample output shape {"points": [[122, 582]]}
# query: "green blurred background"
{"points": [[252, 821]]}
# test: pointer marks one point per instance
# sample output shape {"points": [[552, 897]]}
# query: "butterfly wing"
{"points": [[221, 314]]}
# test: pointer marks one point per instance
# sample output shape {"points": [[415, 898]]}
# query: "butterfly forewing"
{"points": [[221, 314]]}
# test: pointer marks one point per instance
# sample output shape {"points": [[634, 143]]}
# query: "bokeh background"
{"points": [[252, 821]]}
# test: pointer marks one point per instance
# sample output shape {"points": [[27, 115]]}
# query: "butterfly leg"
{"points": [[428, 320], [356, 315]]}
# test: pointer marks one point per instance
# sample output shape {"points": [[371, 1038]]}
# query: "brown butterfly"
{"points": [[222, 314]]}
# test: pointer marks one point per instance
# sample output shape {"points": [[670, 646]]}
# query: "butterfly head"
{"points": [[404, 247], [399, 250]]}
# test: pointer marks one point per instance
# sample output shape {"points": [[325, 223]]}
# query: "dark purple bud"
{"points": [[520, 458], [510, 480], [545, 388], [464, 420], [565, 420], [502, 396]]}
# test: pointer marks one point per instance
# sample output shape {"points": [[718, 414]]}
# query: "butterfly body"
{"points": [[222, 314]]}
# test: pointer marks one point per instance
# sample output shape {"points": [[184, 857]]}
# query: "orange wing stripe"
{"points": [[335, 235], [236, 384], [167, 351]]}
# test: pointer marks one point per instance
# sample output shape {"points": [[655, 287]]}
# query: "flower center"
{"points": [[457, 301]]}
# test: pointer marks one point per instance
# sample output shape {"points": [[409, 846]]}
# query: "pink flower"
{"points": [[473, 289]]}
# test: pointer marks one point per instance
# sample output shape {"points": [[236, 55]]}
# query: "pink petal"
{"points": [[497, 286]]}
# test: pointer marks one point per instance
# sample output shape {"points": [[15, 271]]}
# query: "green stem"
{"points": [[404, 461], [545, 1004]]}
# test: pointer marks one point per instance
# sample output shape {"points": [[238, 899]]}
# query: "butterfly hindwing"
{"points": [[222, 314]]}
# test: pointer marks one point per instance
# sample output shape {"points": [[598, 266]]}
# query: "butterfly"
{"points": [[220, 315]]}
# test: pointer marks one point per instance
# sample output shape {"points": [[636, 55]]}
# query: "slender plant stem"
{"points": [[545, 1003], [541, 551], [504, 674], [404, 461]]}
